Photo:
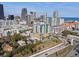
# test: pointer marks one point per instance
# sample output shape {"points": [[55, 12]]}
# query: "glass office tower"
{"points": [[1, 12]]}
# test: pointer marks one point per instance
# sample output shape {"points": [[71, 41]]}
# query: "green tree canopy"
{"points": [[17, 37], [66, 32]]}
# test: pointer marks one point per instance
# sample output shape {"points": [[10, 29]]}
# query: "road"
{"points": [[56, 48], [73, 52], [52, 50]]}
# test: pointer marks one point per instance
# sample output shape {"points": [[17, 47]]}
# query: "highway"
{"points": [[52, 50], [74, 52]]}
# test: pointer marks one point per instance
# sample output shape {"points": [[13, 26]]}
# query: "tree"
{"points": [[66, 32], [23, 52], [1, 42], [30, 47], [1, 52], [43, 46], [35, 50], [14, 44], [18, 49], [8, 33], [17, 37], [73, 28], [39, 48], [8, 54], [55, 40], [27, 52]]}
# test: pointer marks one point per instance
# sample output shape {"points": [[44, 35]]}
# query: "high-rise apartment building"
{"points": [[56, 19], [41, 28]]}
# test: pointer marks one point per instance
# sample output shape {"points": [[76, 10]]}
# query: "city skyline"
{"points": [[39, 29], [66, 9]]}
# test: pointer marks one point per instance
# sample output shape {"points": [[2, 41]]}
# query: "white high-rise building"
{"points": [[61, 21], [55, 19], [41, 28], [56, 22], [76, 25]]}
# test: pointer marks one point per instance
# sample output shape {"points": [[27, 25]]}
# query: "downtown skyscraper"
{"points": [[24, 14], [1, 12]]}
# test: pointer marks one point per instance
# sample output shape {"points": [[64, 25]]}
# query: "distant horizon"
{"points": [[65, 9]]}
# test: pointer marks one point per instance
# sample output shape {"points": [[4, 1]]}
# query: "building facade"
{"points": [[41, 28], [1, 12], [24, 14], [55, 19]]}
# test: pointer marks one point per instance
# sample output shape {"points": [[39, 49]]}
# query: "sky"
{"points": [[65, 9]]}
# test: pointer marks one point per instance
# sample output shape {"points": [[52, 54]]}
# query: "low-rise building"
{"points": [[14, 29], [21, 43]]}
